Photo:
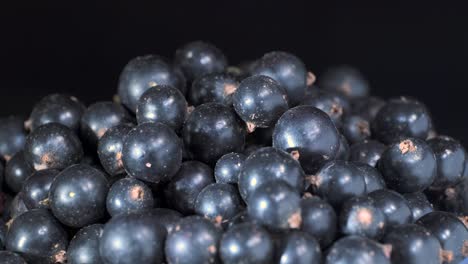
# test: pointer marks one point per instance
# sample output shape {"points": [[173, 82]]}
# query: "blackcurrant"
{"points": [[298, 247], [367, 151], [129, 195], [215, 87], [393, 205], [228, 168], [219, 202], [110, 149], [319, 220], [35, 190], [17, 170], [84, 246], [12, 136], [356, 250]]}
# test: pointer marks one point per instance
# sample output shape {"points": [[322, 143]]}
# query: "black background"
{"points": [[404, 49]]}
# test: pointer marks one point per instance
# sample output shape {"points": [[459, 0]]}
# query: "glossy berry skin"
{"points": [[408, 166], [144, 72], [343, 151], [57, 108], [367, 107], [110, 149], [17, 170], [451, 157], [152, 152], [38, 237], [356, 250], [100, 117], [346, 80], [182, 191], [211, 131], [319, 220], [276, 205], [367, 151], [413, 244], [195, 240], [360, 216], [449, 230], [235, 246], [241, 218], [7, 257], [393, 205], [270, 164], [337, 181], [17, 206], [200, 58], [218, 202], [297, 247], [132, 238], [418, 204], [164, 104], [356, 128], [215, 87], [129, 195], [12, 136], [260, 101], [372, 177], [228, 168], [285, 68], [333, 104], [84, 246], [401, 118], [166, 217], [78, 195], [35, 191], [310, 132], [52, 146]]}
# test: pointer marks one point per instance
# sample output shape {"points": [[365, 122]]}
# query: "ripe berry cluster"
{"points": [[196, 161]]}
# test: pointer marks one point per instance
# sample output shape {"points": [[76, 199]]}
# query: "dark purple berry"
{"points": [[372, 177], [17, 170], [110, 149], [297, 247], [319, 220], [418, 204], [35, 191], [228, 168], [367, 151], [356, 250], [84, 246], [215, 87], [129, 195], [393, 205], [218, 202], [12, 136]]}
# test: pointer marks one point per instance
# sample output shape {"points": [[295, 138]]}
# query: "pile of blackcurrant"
{"points": [[196, 161]]}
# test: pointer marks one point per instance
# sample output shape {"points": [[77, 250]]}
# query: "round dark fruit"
{"points": [[35, 191], [215, 87], [77, 196], [356, 250], [367, 107], [17, 206], [152, 152], [164, 104], [52, 146], [418, 204], [84, 246], [12, 136], [319, 220], [211, 131], [367, 151], [346, 80], [297, 247], [144, 72], [110, 149], [7, 257], [393, 205], [355, 128], [333, 104], [218, 202], [372, 177], [129, 195], [228, 168], [17, 170], [343, 151], [166, 217]]}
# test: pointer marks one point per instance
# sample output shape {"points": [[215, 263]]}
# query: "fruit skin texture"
{"points": [[100, 117], [393, 205], [57, 108], [228, 167], [451, 157], [297, 247], [84, 246], [36, 188], [164, 104], [401, 118], [367, 107], [285, 68], [77, 196], [152, 152], [367, 151], [418, 204], [17, 170], [356, 128], [449, 230], [309, 131], [8, 257], [337, 181], [333, 104], [218, 202], [269, 164], [356, 250], [408, 166], [17, 206], [215, 87], [195, 240], [276, 205], [319, 220], [132, 238], [38, 237], [200, 58], [343, 151], [182, 191], [129, 195], [110, 149], [237, 247], [12, 136], [413, 244], [52, 146], [372, 177], [211, 131], [260, 101], [346, 80], [166, 217], [360, 216], [144, 72]]}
